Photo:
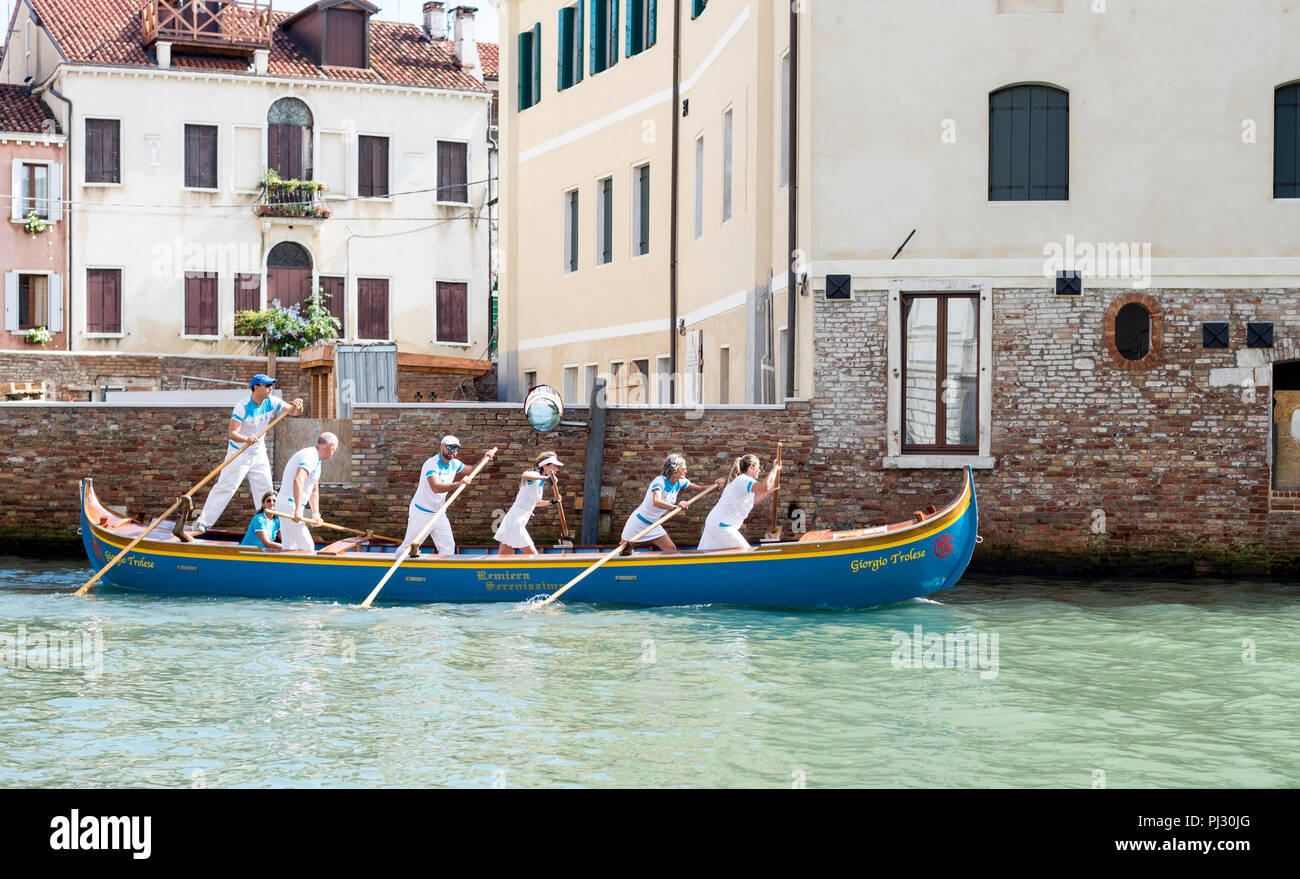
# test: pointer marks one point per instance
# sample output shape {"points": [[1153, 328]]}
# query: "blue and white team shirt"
{"points": [[305, 459], [648, 513], [253, 419], [737, 501], [442, 471]]}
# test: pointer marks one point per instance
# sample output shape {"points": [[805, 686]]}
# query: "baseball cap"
{"points": [[450, 440], [261, 379]]}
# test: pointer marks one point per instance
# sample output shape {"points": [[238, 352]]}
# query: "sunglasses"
{"points": [[453, 448]]}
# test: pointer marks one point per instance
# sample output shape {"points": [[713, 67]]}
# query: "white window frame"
{"points": [[611, 386], [567, 233], [121, 274], [663, 375], [646, 388], [49, 276], [121, 152], [590, 374], [599, 224], [53, 181], [220, 155], [356, 297], [232, 170], [728, 163], [528, 383], [635, 202], [469, 156], [894, 457], [577, 380], [721, 387], [699, 186], [469, 334]]}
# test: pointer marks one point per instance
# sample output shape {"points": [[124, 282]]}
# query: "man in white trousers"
{"points": [[250, 416], [300, 488], [437, 477]]}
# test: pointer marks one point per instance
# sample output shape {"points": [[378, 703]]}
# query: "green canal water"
{"points": [[1088, 684]]}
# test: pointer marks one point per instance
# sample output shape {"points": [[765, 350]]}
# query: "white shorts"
{"points": [[717, 536], [635, 525], [416, 520], [295, 536], [513, 531]]}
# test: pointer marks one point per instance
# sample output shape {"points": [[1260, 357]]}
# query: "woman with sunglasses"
{"points": [[660, 498], [512, 533], [265, 527]]}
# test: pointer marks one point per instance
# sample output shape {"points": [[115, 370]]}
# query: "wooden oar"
{"points": [[288, 410], [334, 527], [566, 537], [775, 532], [616, 550], [424, 532]]}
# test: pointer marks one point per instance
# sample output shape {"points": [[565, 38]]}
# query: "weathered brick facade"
{"points": [[1099, 461]]}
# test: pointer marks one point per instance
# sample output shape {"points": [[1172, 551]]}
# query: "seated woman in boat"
{"points": [[722, 527], [660, 498], [512, 533], [265, 527]]}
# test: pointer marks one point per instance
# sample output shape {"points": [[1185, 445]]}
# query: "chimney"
{"points": [[435, 19], [163, 49], [261, 61], [466, 49]]}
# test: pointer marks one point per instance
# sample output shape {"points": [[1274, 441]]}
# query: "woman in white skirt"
{"points": [[722, 528], [660, 498], [512, 533]]}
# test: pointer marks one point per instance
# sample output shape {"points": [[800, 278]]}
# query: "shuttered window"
{"points": [[372, 175], [103, 153], [570, 54], [248, 293], [345, 38], [602, 37], [641, 25], [529, 67], [201, 156], [332, 288], [103, 300], [641, 210], [453, 172], [1029, 144], [453, 312], [372, 308], [1286, 142], [697, 7], [605, 220], [200, 303], [288, 139], [33, 301], [571, 231]]}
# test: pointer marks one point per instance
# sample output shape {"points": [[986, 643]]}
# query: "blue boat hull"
{"points": [[864, 569]]}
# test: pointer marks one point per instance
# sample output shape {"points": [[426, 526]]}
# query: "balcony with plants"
{"points": [[290, 199]]}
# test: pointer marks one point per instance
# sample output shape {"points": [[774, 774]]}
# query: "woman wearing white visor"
{"points": [[512, 533], [660, 498]]}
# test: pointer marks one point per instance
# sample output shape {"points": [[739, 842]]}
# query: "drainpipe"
{"points": [[672, 217], [793, 245], [67, 229]]}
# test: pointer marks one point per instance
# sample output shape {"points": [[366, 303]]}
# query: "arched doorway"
{"points": [[288, 139], [288, 274]]}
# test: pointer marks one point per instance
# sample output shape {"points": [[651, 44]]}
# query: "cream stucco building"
{"points": [[173, 109], [943, 146]]}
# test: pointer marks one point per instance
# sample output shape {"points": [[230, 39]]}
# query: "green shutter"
{"points": [[537, 62], [629, 48], [1054, 174], [564, 61], [653, 24], [697, 6], [644, 242], [576, 48], [607, 193], [611, 52], [1009, 142], [1286, 142], [596, 38], [523, 66]]}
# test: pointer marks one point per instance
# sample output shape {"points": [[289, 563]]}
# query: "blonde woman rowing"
{"points": [[722, 528]]}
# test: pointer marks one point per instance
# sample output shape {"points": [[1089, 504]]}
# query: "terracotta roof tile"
{"points": [[489, 56], [109, 32], [24, 113]]}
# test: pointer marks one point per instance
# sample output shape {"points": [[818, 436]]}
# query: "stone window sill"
{"points": [[939, 462]]}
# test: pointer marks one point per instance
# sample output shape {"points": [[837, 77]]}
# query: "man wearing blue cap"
{"points": [[250, 416]]}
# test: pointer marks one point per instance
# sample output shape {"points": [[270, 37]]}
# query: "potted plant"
{"points": [[35, 225], [290, 197], [38, 336], [286, 331]]}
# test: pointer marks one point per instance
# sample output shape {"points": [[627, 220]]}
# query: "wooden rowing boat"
{"points": [[861, 568]]}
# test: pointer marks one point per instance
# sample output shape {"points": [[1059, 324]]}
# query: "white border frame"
{"points": [[566, 216], [356, 292], [598, 224], [634, 217], [468, 334], [437, 200], [220, 156], [121, 152], [894, 458], [203, 337], [356, 163], [121, 301]]}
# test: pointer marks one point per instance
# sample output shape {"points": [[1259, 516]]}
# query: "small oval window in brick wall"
{"points": [[1133, 326]]}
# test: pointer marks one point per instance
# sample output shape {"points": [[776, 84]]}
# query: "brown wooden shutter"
{"points": [[333, 288], [201, 156], [372, 155], [102, 151], [372, 308], [248, 293], [201, 316], [191, 304], [209, 313], [94, 301], [453, 304], [112, 300], [345, 38], [452, 173]]}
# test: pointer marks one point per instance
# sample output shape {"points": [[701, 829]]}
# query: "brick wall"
{"points": [[1173, 454]]}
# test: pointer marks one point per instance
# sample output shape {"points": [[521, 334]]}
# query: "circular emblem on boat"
{"points": [[943, 546]]}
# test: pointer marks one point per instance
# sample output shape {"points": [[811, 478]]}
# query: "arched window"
{"points": [[288, 274], [1134, 328], [288, 139], [1133, 331], [1029, 144], [1286, 141]]}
